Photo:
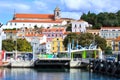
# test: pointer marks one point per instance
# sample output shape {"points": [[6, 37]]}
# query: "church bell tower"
{"points": [[57, 13]]}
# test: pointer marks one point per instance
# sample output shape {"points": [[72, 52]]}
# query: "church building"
{"points": [[21, 20]]}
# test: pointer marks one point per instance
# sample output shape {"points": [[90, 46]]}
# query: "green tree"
{"points": [[69, 27], [85, 39], [108, 50], [101, 42], [102, 19], [8, 45], [97, 26], [21, 45], [35, 27], [69, 38]]}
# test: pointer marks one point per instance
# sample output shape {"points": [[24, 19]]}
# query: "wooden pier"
{"points": [[107, 67]]}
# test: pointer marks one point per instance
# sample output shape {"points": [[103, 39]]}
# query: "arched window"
{"points": [[57, 13]]}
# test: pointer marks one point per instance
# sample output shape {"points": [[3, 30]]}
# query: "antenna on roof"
{"points": [[14, 14]]}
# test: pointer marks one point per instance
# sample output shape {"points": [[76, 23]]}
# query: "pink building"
{"points": [[55, 32]]}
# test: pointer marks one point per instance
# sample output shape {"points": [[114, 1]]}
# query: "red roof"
{"points": [[42, 16], [53, 30], [110, 27], [8, 31], [117, 39], [31, 35], [37, 21]]}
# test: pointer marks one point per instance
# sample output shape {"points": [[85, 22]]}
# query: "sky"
{"points": [[69, 8]]}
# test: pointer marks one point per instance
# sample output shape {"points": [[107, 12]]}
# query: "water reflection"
{"points": [[50, 74]]}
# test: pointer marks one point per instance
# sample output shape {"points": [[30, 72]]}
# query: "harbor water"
{"points": [[50, 74]]}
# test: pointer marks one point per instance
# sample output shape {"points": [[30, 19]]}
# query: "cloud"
{"points": [[92, 5], [74, 15], [14, 5], [40, 4]]}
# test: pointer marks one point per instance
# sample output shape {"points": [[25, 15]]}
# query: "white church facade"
{"points": [[21, 20]]}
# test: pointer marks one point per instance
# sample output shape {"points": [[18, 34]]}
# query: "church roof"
{"points": [[42, 16], [37, 21]]}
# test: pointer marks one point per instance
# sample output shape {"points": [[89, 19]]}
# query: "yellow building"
{"points": [[57, 45], [116, 45], [93, 31], [109, 42]]}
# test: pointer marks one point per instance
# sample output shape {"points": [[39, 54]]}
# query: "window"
{"points": [[75, 26], [52, 35], [48, 46], [29, 24], [11, 24], [15, 24], [80, 26], [48, 35], [60, 35], [57, 13]]}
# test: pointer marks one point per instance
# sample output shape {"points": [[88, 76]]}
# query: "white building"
{"points": [[30, 34], [40, 20], [110, 32], [45, 48], [79, 26]]}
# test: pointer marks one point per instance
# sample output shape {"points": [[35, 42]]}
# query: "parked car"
{"points": [[111, 58]]}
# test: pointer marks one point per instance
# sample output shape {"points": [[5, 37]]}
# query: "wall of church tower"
{"points": [[57, 13]]}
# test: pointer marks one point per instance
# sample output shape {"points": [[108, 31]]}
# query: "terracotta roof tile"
{"points": [[117, 39], [8, 31], [42, 16], [110, 27], [31, 35], [53, 30]]}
